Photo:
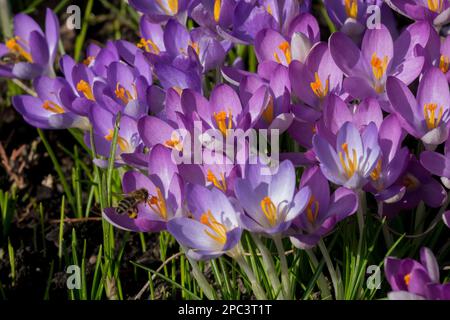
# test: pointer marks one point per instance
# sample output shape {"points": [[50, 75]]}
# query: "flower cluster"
{"points": [[347, 104]]}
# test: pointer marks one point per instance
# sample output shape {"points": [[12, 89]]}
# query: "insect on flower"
{"points": [[130, 202]]}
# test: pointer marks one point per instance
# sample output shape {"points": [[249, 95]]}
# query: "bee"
{"points": [[130, 202], [11, 58]]}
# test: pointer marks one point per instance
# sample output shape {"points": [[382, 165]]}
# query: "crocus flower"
{"points": [[212, 227], [315, 79], [31, 51], [426, 116], [434, 11], [350, 16], [165, 189], [272, 45], [353, 159], [368, 69], [159, 11], [51, 108], [324, 210], [270, 201], [420, 186], [276, 113], [98, 59], [413, 280], [391, 164], [103, 122]]}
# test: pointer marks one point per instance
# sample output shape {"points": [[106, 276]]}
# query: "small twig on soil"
{"points": [[76, 220], [147, 284]]}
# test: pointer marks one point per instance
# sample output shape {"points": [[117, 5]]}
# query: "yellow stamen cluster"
{"points": [[348, 164], [217, 8], [174, 143], [221, 185], [317, 86], [172, 4], [286, 49], [429, 113], [195, 46], [52, 107], [148, 45], [123, 94], [121, 142], [221, 118], [410, 182], [14, 47], [407, 279], [312, 210], [376, 173], [379, 66], [435, 5], [270, 210], [351, 8], [158, 204], [444, 63], [219, 231], [83, 87], [88, 60], [268, 112]]}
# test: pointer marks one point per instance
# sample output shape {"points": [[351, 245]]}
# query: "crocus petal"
{"points": [[282, 186], [436, 163]]}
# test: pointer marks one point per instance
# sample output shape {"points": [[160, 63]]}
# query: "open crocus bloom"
{"points": [[103, 123], [353, 159], [270, 45], [161, 10], [164, 187], [434, 11], [411, 280], [33, 50], [51, 108], [324, 210], [426, 116], [270, 201], [212, 227], [368, 69], [318, 77]]}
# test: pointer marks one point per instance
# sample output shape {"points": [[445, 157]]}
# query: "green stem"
{"points": [[360, 214], [321, 281], [200, 278], [236, 254], [387, 236], [284, 267], [331, 270], [58, 169], [270, 266]]}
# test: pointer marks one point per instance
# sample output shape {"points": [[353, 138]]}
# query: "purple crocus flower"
{"points": [[276, 113], [159, 11], [368, 69], [302, 34], [31, 50], [391, 164], [212, 227], [420, 186], [324, 210], [124, 90], [98, 59], [354, 158], [51, 108], [103, 122], [270, 201], [434, 11], [350, 16], [413, 280], [426, 116], [315, 79], [165, 189]]}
